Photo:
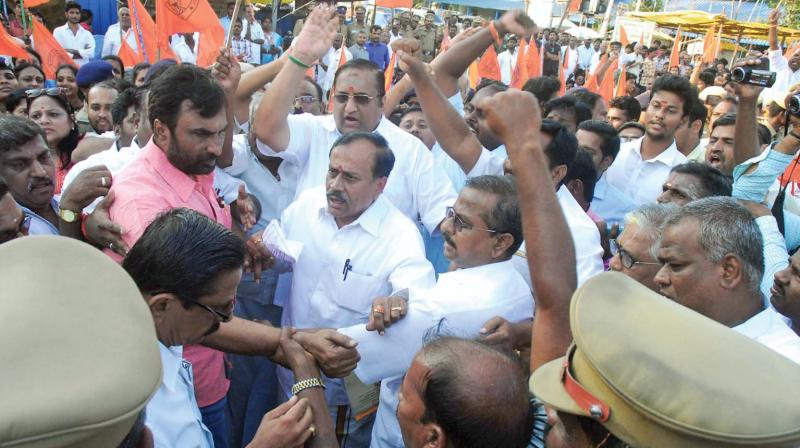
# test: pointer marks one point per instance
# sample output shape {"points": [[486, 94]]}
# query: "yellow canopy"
{"points": [[702, 22]]}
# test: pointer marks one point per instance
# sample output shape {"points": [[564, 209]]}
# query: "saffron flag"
{"points": [[10, 47], [574, 5], [520, 73], [34, 3], [533, 60], [47, 46], [395, 3], [607, 86], [144, 30], [488, 67], [472, 74], [708, 47], [126, 53], [622, 84], [674, 56], [591, 83], [188, 16], [623, 37], [389, 73], [562, 73]]}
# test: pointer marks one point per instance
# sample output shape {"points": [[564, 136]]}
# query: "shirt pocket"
{"points": [[357, 292]]}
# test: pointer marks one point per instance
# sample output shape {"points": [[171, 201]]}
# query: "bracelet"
{"points": [[306, 384], [299, 62], [495, 35]]}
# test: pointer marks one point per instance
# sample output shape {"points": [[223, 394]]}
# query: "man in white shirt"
{"points": [[330, 62], [416, 186], [642, 166], [356, 247], [570, 52], [482, 232], [252, 33], [113, 38], [585, 53], [787, 71], [185, 46], [76, 41], [508, 60], [711, 250]]}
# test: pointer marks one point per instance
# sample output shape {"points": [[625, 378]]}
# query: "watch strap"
{"points": [[306, 384]]}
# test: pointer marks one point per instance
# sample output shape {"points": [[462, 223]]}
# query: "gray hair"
{"points": [[726, 227], [16, 131], [650, 218], [505, 217]]}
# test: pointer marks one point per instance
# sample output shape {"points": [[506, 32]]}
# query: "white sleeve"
{"points": [[300, 129], [87, 52], [107, 50], [241, 156], [227, 185], [777, 62], [412, 270], [433, 189], [487, 164]]}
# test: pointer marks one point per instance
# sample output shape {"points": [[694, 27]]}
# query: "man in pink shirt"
{"points": [[187, 112]]}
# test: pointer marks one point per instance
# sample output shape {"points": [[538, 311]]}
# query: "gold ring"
{"points": [[103, 181], [378, 309], [396, 308]]}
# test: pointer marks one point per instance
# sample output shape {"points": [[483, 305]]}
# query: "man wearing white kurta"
{"points": [[508, 61], [357, 247], [485, 285], [77, 42], [113, 37]]}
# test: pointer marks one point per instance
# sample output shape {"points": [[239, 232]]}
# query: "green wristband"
{"points": [[299, 62]]}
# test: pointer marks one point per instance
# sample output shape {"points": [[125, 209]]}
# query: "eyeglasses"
{"points": [[52, 91], [360, 98], [459, 224], [218, 315], [305, 99], [625, 257]]}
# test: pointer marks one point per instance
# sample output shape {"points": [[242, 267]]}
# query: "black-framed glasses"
{"points": [[50, 91], [625, 257], [360, 98], [305, 99], [218, 315], [459, 224]]}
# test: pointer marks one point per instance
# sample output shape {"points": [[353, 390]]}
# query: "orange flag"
{"points": [[591, 82], [472, 73], [533, 61], [562, 73], [488, 67], [126, 53], [622, 84], [574, 5], [47, 46], [520, 73], [674, 56], [188, 16], [34, 3], [144, 30], [389, 73], [395, 3], [10, 47], [623, 37], [708, 47], [606, 89]]}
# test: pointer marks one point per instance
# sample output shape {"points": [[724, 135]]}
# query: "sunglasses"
{"points": [[305, 99], [52, 91], [360, 98]]}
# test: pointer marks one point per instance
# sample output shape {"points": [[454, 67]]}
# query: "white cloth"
{"points": [[459, 305], [585, 235], [83, 41], [609, 203], [642, 180], [384, 250], [255, 33], [507, 61], [572, 59], [769, 328], [331, 59], [784, 76], [113, 39], [585, 56], [416, 186], [172, 414], [182, 50]]}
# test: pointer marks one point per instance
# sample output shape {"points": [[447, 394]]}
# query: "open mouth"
{"points": [[714, 159]]}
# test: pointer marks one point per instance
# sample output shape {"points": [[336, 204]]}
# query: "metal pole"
{"points": [[638, 5], [736, 49], [606, 19]]}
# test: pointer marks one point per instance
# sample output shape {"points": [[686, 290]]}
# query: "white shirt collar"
{"points": [[667, 157], [370, 219], [171, 360]]}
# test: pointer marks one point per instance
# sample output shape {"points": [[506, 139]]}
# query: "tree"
{"points": [[790, 13]]}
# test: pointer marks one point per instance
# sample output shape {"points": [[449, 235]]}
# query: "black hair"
{"points": [[68, 144], [409, 110], [764, 136], [725, 120], [773, 109], [3, 188], [586, 97], [73, 5], [583, 169], [137, 68], [505, 217], [23, 64], [183, 252], [712, 181], [115, 58], [582, 113], [543, 88], [707, 76], [699, 111], [71, 67], [384, 157], [183, 82], [375, 27], [15, 98], [366, 65], [16, 131], [34, 53], [120, 106], [610, 146], [678, 85], [316, 87], [579, 110], [563, 145], [629, 105]]}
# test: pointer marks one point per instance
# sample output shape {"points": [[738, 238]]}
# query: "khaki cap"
{"points": [[79, 358], [662, 375]]}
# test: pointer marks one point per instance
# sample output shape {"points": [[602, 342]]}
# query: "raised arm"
{"points": [[226, 72], [450, 129], [745, 138], [250, 83], [774, 15], [313, 42], [515, 117]]}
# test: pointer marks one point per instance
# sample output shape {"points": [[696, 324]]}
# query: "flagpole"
{"points": [[24, 20], [140, 42], [235, 16]]}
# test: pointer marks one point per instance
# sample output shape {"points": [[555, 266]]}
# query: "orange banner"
{"points": [[47, 46], [188, 16], [520, 73], [395, 3], [488, 67], [621, 85], [144, 30], [10, 47], [674, 57], [533, 60]]}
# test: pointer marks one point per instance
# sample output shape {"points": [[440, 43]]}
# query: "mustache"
{"points": [[39, 182], [338, 195], [447, 237]]}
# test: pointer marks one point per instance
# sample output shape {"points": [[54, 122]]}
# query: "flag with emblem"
{"points": [[488, 67], [189, 16], [52, 53]]}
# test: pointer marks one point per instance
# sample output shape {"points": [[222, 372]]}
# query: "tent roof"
{"points": [[702, 22]]}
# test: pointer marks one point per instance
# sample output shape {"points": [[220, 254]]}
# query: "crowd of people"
{"points": [[336, 237]]}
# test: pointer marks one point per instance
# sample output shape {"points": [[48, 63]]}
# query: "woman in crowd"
{"points": [[28, 75], [139, 72], [8, 82], [50, 109], [66, 76], [17, 103]]}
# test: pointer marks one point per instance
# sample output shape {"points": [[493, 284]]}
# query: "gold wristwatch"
{"points": [[68, 216]]}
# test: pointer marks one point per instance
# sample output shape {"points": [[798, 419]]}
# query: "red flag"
{"points": [[622, 85], [520, 73], [389, 73], [533, 60], [623, 37], [10, 47], [574, 5], [188, 16], [395, 3], [47, 46], [126, 53], [607, 86], [144, 30], [674, 57], [488, 67]]}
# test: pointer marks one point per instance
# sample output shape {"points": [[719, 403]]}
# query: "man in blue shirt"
{"points": [[378, 51]]}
